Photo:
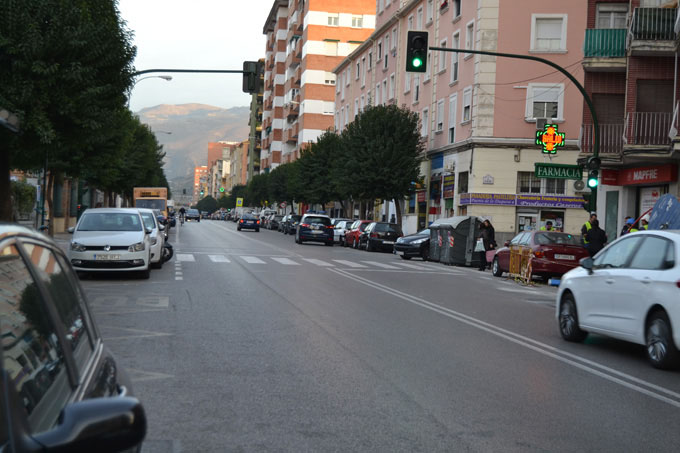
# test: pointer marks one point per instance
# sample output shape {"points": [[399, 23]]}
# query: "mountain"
{"points": [[191, 127]]}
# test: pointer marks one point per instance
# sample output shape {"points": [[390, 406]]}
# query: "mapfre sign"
{"points": [[648, 175]]}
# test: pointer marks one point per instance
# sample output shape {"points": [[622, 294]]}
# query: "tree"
{"points": [[23, 196], [318, 165], [284, 184], [65, 67], [258, 190], [208, 204], [383, 149]]}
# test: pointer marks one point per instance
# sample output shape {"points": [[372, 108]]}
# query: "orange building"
{"points": [[200, 175], [306, 40]]}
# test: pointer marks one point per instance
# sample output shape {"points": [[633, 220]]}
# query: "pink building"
{"points": [[479, 113]]}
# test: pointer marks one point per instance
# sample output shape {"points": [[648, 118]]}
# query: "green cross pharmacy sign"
{"points": [[558, 171]]}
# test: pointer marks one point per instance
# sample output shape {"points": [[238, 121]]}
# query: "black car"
{"points": [[291, 223], [248, 222], [414, 245], [62, 389], [315, 228], [380, 236], [274, 222], [193, 214]]}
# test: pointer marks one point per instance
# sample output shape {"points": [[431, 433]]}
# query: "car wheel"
{"points": [[329, 244], [145, 274], [404, 257], [355, 245], [425, 254], [257, 230], [369, 247], [158, 265], [496, 268], [238, 228], [661, 351], [568, 320]]}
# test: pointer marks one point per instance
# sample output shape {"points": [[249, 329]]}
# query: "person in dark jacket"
{"points": [[488, 236], [596, 238]]}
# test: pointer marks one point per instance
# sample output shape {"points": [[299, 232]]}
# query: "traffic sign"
{"points": [[558, 171], [239, 202]]}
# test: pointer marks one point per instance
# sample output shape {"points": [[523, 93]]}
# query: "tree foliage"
{"points": [[258, 190], [208, 204]]}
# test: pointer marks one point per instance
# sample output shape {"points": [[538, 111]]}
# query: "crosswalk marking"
{"points": [[411, 266], [383, 265], [219, 259], [186, 257], [285, 261], [349, 263], [318, 262], [252, 260]]}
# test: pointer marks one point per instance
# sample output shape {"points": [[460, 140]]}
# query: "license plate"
{"points": [[316, 232], [388, 242], [315, 227], [399, 253], [564, 257], [106, 257]]}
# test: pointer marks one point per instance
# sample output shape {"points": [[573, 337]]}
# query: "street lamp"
{"points": [[164, 77]]}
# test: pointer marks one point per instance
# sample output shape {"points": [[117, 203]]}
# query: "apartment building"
{"points": [[200, 182], [306, 39], [219, 160], [255, 135], [631, 74], [479, 114]]}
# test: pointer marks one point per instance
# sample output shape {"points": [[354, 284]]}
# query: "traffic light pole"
{"points": [[589, 102], [204, 71]]}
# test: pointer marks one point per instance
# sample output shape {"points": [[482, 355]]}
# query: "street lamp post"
{"points": [[164, 77]]}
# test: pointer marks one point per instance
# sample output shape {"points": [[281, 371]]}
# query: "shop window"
{"points": [[463, 182], [527, 183]]}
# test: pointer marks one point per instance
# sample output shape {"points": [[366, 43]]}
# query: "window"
{"points": [[428, 70], [416, 88], [363, 103], [391, 92], [544, 101], [442, 58], [456, 8], [381, 6], [455, 43], [395, 38], [467, 105], [463, 182], [384, 91], [357, 21], [407, 82], [410, 22], [342, 90], [377, 94], [380, 49], [611, 15], [453, 106], [358, 70], [331, 48], [653, 254], [440, 115], [430, 11], [347, 77], [419, 18], [617, 255], [387, 50], [329, 79], [469, 37], [32, 356], [334, 20], [356, 107], [363, 73], [527, 183], [549, 32], [425, 125], [555, 186], [370, 61]]}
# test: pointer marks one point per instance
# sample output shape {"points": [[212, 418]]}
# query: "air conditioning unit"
{"points": [[541, 122]]}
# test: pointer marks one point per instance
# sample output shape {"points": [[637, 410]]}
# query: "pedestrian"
{"points": [[548, 226], [587, 226], [644, 221], [488, 236], [393, 219], [596, 238], [627, 222]]}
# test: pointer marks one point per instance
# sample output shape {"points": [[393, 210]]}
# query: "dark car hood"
{"points": [[414, 237]]}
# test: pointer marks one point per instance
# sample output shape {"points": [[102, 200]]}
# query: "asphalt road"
{"points": [[249, 342]]}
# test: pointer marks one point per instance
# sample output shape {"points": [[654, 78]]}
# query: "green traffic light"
{"points": [[592, 182], [417, 62]]}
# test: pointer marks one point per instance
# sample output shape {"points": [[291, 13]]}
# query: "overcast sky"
{"points": [[194, 34]]}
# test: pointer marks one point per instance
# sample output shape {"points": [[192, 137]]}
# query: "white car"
{"points": [[156, 238], [339, 229], [629, 291], [110, 239]]}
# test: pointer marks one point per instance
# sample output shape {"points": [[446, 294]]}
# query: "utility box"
{"points": [[458, 238]]}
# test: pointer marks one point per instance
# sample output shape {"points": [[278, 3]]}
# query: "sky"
{"points": [[194, 34]]}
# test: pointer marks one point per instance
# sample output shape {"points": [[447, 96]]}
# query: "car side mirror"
{"points": [[161, 227], [71, 230], [148, 230], [587, 263], [109, 424]]}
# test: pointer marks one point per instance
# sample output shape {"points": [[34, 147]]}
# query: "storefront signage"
{"points": [[558, 171], [550, 139], [421, 196], [449, 186], [648, 175], [536, 201]]}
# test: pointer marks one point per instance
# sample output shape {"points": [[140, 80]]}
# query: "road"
{"points": [[247, 341]]}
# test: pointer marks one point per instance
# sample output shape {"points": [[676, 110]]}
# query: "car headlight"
{"points": [[77, 247], [154, 241], [419, 241], [138, 247]]}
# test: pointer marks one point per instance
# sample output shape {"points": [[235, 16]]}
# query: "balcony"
{"points": [[652, 32], [291, 110], [611, 139], [647, 129], [292, 133], [605, 49]]}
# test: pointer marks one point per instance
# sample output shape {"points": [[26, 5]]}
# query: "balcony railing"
{"points": [[611, 138], [605, 42], [653, 24], [647, 128]]}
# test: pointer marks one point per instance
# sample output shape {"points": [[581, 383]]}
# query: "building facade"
{"points": [[479, 114], [200, 182], [306, 39], [255, 135], [631, 68]]}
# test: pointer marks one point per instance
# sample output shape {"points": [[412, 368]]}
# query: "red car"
{"points": [[553, 253], [352, 236]]}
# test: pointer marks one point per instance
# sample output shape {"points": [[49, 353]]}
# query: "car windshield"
{"points": [[154, 203], [278, 217], [295, 218], [387, 228], [249, 217], [192, 211], [556, 238], [314, 219], [148, 220], [110, 221]]}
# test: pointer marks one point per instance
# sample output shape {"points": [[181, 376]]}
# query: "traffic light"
{"points": [[587, 203], [593, 171], [252, 76], [201, 193], [416, 51], [221, 189]]}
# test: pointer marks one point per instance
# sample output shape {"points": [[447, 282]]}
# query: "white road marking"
{"points": [[382, 265], [178, 278], [350, 263], [189, 258], [219, 259], [252, 260], [286, 261], [411, 266], [318, 262]]}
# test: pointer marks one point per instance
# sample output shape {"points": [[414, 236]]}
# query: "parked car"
{"points": [[192, 214], [72, 395], [315, 228], [414, 245], [553, 253], [274, 222], [248, 222], [339, 230], [110, 239], [156, 237], [335, 220], [629, 291], [352, 236], [290, 226], [380, 236]]}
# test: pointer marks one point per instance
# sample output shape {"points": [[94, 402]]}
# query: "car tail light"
{"points": [[329, 227], [374, 235], [539, 253], [306, 225], [678, 283], [258, 222], [240, 221]]}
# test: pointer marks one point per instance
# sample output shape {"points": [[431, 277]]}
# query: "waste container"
{"points": [[459, 235], [435, 242]]}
